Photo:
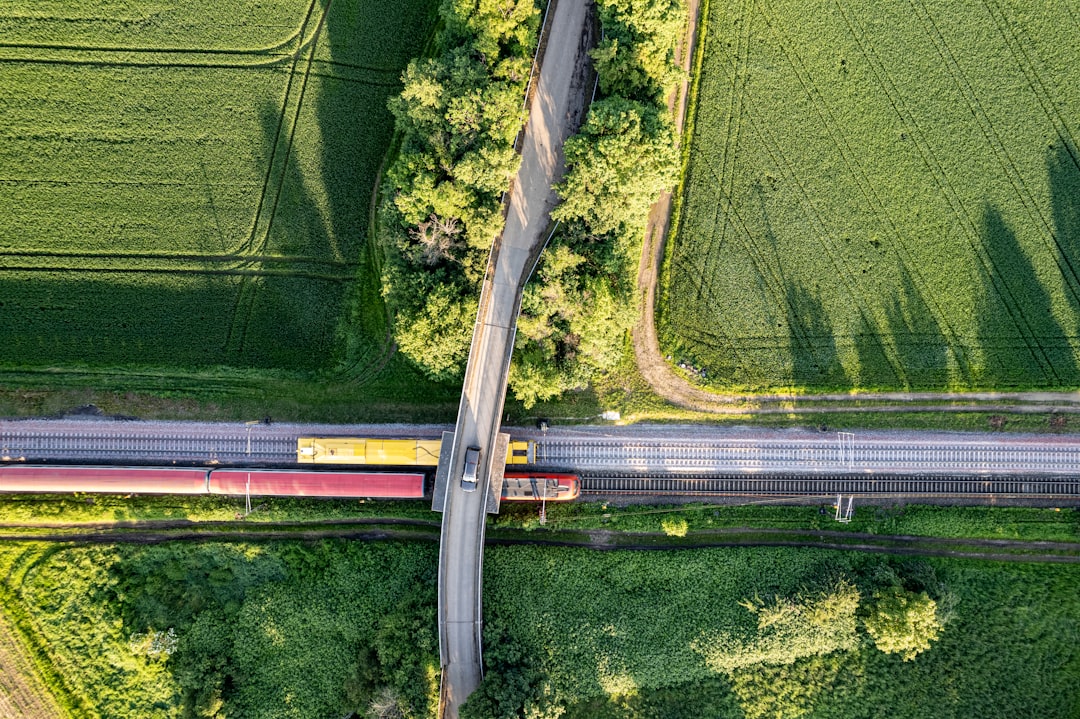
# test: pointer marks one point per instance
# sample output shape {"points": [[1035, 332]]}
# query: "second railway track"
{"points": [[593, 483]]}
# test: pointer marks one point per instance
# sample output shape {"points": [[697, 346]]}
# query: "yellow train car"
{"points": [[521, 452], [401, 452], [354, 450]]}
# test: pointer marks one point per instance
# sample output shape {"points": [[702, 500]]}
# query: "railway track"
{"points": [[813, 456], [114, 447], [1048, 487], [733, 464]]}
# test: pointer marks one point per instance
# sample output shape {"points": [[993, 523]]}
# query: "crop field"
{"points": [[881, 196], [188, 185], [22, 693]]}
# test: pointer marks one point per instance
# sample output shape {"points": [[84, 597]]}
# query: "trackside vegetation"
{"points": [[880, 197], [231, 630], [577, 310], [456, 120], [323, 627]]}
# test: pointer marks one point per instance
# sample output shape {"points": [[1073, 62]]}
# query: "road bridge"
{"points": [[551, 103]]}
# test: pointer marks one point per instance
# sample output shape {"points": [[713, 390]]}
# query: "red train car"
{"points": [[296, 483], [537, 486], [113, 480]]}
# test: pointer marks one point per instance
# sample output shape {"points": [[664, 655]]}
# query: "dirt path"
{"points": [[22, 693], [679, 391], [393, 529]]}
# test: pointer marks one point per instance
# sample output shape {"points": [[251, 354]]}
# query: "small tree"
{"points": [[674, 526], [903, 622]]}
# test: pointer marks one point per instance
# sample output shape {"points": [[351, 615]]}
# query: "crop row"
{"points": [[881, 197], [191, 188]]}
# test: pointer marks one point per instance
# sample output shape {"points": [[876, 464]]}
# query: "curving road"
{"points": [[551, 115]]}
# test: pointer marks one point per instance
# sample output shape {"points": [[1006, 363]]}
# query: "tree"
{"points": [[617, 166], [788, 629], [636, 58], [435, 236], [491, 25], [435, 333], [902, 622]]}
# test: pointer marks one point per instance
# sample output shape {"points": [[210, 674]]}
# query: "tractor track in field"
{"points": [[941, 179], [676, 389], [174, 257], [227, 272], [244, 306], [869, 192], [397, 529], [994, 140], [273, 54]]}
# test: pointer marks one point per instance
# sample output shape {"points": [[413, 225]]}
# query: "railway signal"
{"points": [[841, 515]]}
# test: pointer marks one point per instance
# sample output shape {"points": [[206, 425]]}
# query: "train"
{"points": [[540, 486], [36, 479], [396, 452], [220, 481]]}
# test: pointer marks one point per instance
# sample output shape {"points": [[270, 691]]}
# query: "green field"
{"points": [[881, 196], [624, 634], [286, 630], [188, 186]]}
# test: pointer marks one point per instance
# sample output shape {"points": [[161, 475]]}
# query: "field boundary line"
{"points": [[271, 61], [288, 40]]}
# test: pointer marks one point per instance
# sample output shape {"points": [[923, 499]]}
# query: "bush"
{"points": [[902, 622]]}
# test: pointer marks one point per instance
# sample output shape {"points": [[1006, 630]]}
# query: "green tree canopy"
{"points": [[902, 622], [493, 26], [617, 166], [636, 57]]}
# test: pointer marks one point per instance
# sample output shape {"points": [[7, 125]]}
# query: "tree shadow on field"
{"points": [[814, 358], [875, 369], [921, 346], [323, 144], [1063, 172], [1023, 342]]}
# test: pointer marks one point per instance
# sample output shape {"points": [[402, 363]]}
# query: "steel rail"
{"points": [[858, 485]]}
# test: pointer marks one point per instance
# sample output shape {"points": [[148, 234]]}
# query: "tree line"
{"points": [[456, 119], [577, 311]]}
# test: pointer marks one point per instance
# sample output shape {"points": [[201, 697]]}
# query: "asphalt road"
{"points": [[484, 391]]}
